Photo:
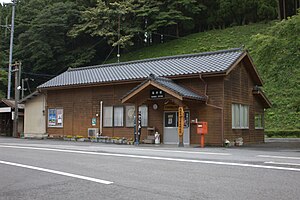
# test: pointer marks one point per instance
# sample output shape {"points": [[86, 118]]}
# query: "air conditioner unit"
{"points": [[93, 132]]}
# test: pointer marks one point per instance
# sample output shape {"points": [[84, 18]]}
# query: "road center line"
{"points": [[157, 158], [278, 163], [187, 152], [57, 172], [281, 157]]}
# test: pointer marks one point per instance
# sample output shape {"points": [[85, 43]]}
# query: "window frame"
{"points": [[112, 117], [56, 117], [261, 119], [241, 121], [147, 114], [122, 120], [127, 117]]}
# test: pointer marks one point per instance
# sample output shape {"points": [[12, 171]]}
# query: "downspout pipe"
{"points": [[214, 106], [101, 115]]}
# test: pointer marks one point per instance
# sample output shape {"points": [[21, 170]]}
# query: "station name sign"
{"points": [[5, 110], [155, 94]]}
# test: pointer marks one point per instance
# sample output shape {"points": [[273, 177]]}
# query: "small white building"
{"points": [[34, 116]]}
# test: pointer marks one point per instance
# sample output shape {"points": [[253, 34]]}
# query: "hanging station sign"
{"points": [[5, 110], [155, 94]]}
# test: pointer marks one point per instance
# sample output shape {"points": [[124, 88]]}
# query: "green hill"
{"points": [[275, 50], [200, 42]]}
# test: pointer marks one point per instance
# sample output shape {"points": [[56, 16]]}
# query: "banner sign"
{"points": [[139, 123], [180, 121]]}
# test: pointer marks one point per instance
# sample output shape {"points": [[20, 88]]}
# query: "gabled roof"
{"points": [[210, 62], [167, 85]]}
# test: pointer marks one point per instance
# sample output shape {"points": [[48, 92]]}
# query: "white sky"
{"points": [[6, 1]]}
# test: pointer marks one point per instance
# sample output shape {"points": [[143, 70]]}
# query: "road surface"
{"points": [[49, 169]]}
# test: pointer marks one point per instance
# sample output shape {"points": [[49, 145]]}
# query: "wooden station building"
{"points": [[222, 88]]}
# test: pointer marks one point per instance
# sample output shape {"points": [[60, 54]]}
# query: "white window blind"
{"points": [[107, 116], [240, 116], [118, 116]]}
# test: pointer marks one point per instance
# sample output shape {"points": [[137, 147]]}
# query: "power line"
{"points": [[45, 75], [108, 55]]}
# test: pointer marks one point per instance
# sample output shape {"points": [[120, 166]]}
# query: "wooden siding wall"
{"points": [[82, 104], [238, 89], [206, 113]]}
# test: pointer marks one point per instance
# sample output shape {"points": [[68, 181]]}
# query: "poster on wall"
{"points": [[52, 117], [94, 121], [59, 113], [55, 117]]}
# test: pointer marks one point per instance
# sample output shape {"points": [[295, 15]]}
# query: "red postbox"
{"points": [[201, 130]]}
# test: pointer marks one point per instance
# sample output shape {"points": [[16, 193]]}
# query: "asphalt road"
{"points": [[47, 169]]}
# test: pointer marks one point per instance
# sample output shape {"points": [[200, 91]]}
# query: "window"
{"points": [[170, 119], [118, 116], [55, 117], [107, 116], [144, 115], [259, 121], [240, 116], [130, 113]]}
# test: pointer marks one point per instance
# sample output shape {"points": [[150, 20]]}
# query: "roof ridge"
{"points": [[156, 59]]}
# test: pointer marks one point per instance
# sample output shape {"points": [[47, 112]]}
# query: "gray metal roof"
{"points": [[210, 62], [182, 91], [171, 85]]}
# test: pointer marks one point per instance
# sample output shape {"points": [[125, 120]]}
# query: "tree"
{"points": [[43, 44], [245, 11], [169, 13], [277, 53], [112, 20]]}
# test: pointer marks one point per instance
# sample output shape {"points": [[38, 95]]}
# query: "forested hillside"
{"points": [[53, 35]]}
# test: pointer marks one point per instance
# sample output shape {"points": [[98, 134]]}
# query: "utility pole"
{"points": [[17, 68], [119, 22], [11, 47], [23, 88]]}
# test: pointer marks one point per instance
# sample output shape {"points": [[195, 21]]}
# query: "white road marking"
{"points": [[156, 158], [188, 152], [124, 148], [278, 163], [280, 157], [57, 172]]}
